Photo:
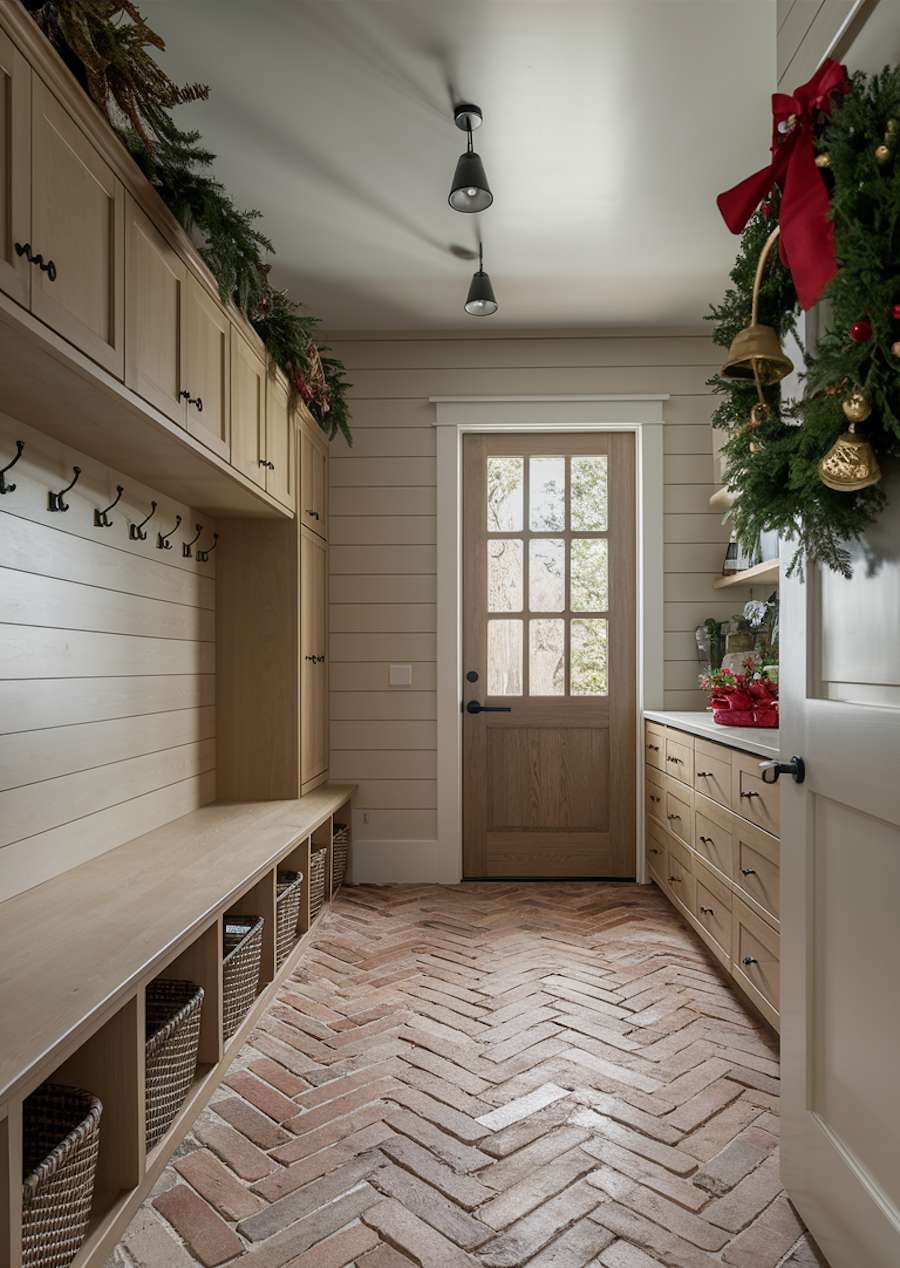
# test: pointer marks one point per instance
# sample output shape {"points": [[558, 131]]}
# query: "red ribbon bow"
{"points": [[807, 238]]}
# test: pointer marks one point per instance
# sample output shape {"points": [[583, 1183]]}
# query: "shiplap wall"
{"points": [[107, 664], [382, 532]]}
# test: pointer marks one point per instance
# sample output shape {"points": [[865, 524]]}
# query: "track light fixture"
{"points": [[480, 301], [470, 190]]}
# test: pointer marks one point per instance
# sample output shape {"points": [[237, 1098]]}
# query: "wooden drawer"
{"points": [[757, 866], [654, 794], [680, 757], [655, 745], [756, 956], [679, 810], [751, 798], [714, 903], [679, 875], [712, 771], [713, 834], [656, 850]]}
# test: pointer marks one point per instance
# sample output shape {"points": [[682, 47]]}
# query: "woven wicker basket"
{"points": [[170, 1053], [243, 954], [289, 891], [340, 842], [316, 882], [60, 1144]]}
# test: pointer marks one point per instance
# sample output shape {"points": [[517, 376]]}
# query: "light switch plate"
{"points": [[400, 676]]}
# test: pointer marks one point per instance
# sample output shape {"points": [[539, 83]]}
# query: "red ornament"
{"points": [[895, 312], [765, 211], [860, 331]]}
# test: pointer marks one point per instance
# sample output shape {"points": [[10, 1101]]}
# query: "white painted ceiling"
{"points": [[609, 129]]}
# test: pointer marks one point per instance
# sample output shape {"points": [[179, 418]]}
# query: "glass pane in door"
{"points": [[505, 495], [547, 498], [590, 574], [588, 657], [504, 677], [547, 574], [505, 574], [589, 495], [547, 658]]}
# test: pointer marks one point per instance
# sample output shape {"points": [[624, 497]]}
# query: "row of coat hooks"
{"points": [[101, 518]]}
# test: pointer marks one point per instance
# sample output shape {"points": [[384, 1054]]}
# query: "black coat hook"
{"points": [[203, 555], [186, 546], [101, 518], [55, 500], [10, 488], [134, 531], [161, 543]]}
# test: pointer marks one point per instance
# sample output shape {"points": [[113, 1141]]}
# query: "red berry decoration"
{"points": [[860, 331], [895, 312]]}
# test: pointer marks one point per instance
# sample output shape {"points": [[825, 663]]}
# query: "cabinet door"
{"points": [[15, 170], [78, 222], [313, 652], [280, 448], [313, 484], [154, 295], [248, 410], [205, 369]]}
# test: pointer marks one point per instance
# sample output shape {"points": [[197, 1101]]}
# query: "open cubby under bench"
{"points": [[78, 951]]}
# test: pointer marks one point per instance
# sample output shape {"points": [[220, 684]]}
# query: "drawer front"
{"points": [[655, 745], [654, 794], [679, 877], [714, 903], [758, 802], [679, 808], [680, 757], [757, 866], [713, 835], [756, 953], [656, 850], [712, 771]]}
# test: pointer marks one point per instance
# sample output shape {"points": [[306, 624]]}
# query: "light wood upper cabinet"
{"points": [[313, 508], [281, 430], [248, 410], [206, 382], [313, 652], [78, 223], [15, 170], [154, 329]]}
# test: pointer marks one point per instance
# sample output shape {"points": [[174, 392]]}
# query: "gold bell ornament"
{"points": [[850, 462], [755, 352]]}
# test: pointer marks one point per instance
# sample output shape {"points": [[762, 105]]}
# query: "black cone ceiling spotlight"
{"points": [[480, 301], [470, 190]]}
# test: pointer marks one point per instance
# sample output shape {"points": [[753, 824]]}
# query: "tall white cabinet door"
{"points": [[840, 686]]}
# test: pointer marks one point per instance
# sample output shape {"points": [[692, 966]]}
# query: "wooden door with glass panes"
{"points": [[549, 655]]}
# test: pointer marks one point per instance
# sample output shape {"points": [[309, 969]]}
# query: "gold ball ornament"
{"points": [[823, 160], [895, 348], [759, 414], [858, 406], [882, 154]]}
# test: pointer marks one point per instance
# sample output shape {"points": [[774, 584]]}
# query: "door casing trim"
{"points": [[456, 415]]}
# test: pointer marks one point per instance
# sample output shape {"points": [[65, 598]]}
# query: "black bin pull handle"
{"points": [[474, 707]]}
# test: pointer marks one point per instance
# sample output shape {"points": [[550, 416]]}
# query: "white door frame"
{"points": [[456, 415]]}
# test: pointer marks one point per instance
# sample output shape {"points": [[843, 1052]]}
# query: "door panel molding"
{"points": [[640, 414]]}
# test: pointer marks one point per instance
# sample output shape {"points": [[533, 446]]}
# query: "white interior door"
{"points": [[840, 678]]}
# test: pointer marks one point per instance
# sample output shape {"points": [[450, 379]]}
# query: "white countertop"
{"points": [[752, 739]]}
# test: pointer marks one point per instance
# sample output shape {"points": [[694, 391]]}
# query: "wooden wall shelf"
{"points": [[760, 574]]}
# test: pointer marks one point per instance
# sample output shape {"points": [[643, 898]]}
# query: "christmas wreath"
{"points": [[802, 469], [105, 44]]}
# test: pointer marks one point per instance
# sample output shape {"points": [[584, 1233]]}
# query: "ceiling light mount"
{"points": [[467, 117]]}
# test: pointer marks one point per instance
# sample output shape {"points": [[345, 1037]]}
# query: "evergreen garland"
{"points": [[776, 484], [104, 43]]}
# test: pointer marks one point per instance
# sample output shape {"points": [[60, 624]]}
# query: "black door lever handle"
{"points": [[474, 707]]}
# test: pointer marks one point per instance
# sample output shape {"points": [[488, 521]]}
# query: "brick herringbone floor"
{"points": [[488, 1076]]}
